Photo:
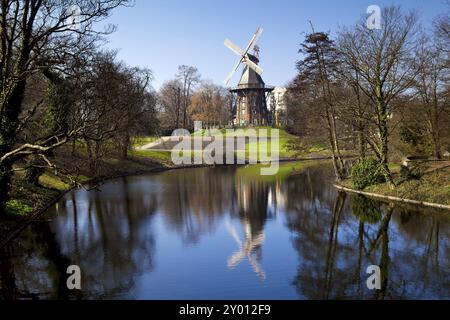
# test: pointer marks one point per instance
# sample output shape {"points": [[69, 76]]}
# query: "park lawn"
{"points": [[283, 140], [158, 156], [283, 143], [142, 141], [163, 157]]}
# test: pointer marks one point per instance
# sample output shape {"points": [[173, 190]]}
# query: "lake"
{"points": [[229, 233]]}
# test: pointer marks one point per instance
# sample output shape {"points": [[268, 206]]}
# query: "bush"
{"points": [[413, 173], [15, 207], [367, 172]]}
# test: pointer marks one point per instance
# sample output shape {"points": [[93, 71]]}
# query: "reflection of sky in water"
{"points": [[217, 234]]}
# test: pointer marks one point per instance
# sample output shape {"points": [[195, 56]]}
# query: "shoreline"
{"points": [[392, 198], [32, 216]]}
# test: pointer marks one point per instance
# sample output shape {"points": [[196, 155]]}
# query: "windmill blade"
{"points": [[227, 80], [235, 259], [232, 231], [255, 38], [258, 34], [257, 268], [254, 66], [230, 45], [243, 55]]}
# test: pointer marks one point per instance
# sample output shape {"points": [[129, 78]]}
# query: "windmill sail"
{"points": [[243, 55]]}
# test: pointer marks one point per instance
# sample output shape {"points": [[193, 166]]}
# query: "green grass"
{"points": [[432, 187], [284, 139], [18, 208], [164, 157], [51, 181], [28, 197], [141, 141], [286, 142], [253, 172], [394, 167], [159, 156]]}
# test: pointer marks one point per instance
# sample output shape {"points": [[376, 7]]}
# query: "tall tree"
{"points": [[170, 101], [317, 73], [382, 69], [36, 35], [431, 87], [210, 104], [189, 77]]}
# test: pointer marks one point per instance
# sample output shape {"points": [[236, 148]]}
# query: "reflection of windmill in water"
{"points": [[249, 248], [251, 100], [253, 211]]}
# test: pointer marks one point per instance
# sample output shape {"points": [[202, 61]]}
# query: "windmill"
{"points": [[251, 105]]}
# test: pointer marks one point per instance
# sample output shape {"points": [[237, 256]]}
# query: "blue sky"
{"points": [[162, 34]]}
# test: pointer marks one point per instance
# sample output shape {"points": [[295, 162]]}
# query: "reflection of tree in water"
{"points": [[427, 236], [336, 245], [193, 200], [109, 234], [110, 239], [36, 273]]}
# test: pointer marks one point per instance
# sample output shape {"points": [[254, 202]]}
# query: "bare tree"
{"points": [[189, 77], [170, 101], [116, 103], [37, 35], [210, 105], [442, 31], [430, 85], [381, 60], [354, 108]]}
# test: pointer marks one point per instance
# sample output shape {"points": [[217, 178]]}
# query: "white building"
{"points": [[277, 104]]}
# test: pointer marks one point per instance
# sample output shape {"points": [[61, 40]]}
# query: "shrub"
{"points": [[15, 207], [413, 173], [367, 172]]}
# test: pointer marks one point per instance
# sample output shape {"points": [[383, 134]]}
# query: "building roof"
{"points": [[250, 79]]}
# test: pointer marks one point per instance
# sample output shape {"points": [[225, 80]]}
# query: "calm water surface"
{"points": [[227, 233]]}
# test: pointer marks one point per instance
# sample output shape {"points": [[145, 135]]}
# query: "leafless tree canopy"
{"points": [[372, 84]]}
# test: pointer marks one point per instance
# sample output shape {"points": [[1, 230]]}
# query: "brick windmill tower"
{"points": [[251, 91]]}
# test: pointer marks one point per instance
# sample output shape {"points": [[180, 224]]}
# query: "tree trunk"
{"points": [[334, 144], [74, 145], [125, 146], [337, 147], [5, 186], [384, 140], [332, 140], [91, 156], [361, 145], [435, 132]]}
